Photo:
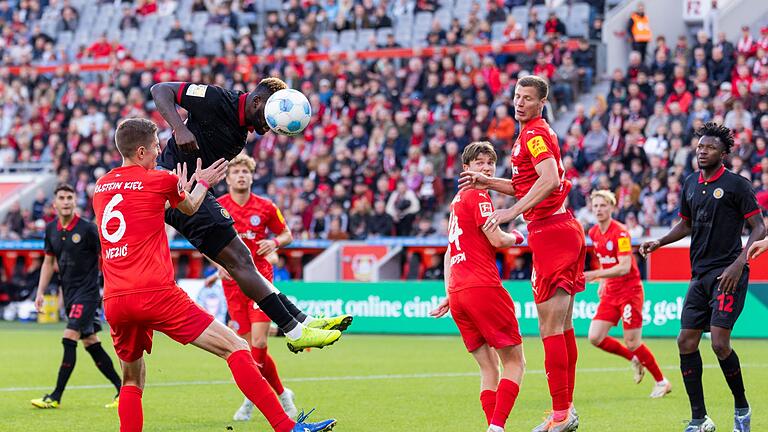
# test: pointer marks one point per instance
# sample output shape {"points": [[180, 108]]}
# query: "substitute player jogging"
{"points": [[140, 293], [480, 305], [217, 127], [556, 240], [714, 205], [621, 294], [73, 244], [253, 216]]}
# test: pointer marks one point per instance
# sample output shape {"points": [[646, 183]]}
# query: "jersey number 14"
{"points": [[454, 232]]}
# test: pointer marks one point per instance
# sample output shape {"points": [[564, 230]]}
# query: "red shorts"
{"points": [[133, 317], [485, 316], [628, 308], [242, 310], [559, 250]]}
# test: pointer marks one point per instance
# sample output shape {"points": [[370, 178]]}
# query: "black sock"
{"points": [[273, 307], [66, 368], [292, 309], [732, 372], [690, 366], [104, 363]]}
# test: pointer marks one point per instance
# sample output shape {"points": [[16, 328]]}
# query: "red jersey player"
{"points": [[140, 294], [556, 240], [481, 307], [620, 292], [253, 215]]}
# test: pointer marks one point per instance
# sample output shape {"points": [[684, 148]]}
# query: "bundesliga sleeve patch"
{"points": [[485, 209], [536, 146], [624, 244], [197, 90]]}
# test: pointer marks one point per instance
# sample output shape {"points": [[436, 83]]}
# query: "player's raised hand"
{"points": [[498, 217], [758, 248], [213, 174], [185, 139], [441, 309], [473, 180], [185, 184], [648, 247]]}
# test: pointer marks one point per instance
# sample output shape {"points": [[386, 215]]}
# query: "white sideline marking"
{"points": [[361, 378]]}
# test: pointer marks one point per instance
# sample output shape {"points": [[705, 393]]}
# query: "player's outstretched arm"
{"points": [[268, 246], [444, 307], [205, 179], [164, 95], [46, 273], [476, 180], [501, 239], [678, 232], [758, 248], [620, 269]]}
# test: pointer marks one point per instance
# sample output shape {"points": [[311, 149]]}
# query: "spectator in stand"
{"points": [[146, 7], [402, 206], [584, 59], [553, 26], [176, 31], [381, 224], [129, 20], [639, 30]]}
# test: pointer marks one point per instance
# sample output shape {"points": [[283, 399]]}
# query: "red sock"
{"points": [[646, 359], [257, 390], [506, 395], [258, 355], [488, 402], [613, 346], [129, 409], [556, 365], [573, 356], [269, 370]]}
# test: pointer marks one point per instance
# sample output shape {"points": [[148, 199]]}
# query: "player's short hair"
{"points": [[133, 133], [541, 85], [607, 195], [63, 187], [271, 85], [243, 159], [472, 151], [712, 129]]}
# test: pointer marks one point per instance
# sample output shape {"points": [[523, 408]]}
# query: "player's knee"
{"points": [[237, 344], [260, 342], [721, 348], [686, 344], [632, 344], [596, 339]]}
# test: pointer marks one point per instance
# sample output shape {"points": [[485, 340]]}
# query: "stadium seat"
{"points": [[381, 35], [347, 40], [363, 39], [497, 31], [578, 23], [273, 5]]}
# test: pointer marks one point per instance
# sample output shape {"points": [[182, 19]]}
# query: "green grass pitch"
{"points": [[369, 383]]}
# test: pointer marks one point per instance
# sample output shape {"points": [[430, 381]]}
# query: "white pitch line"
{"points": [[359, 378]]}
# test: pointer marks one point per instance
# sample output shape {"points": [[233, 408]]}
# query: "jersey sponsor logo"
{"points": [[624, 244], [536, 146], [606, 259], [718, 193], [76, 238], [225, 213], [197, 90], [609, 245], [515, 171], [516, 150], [255, 220], [485, 209]]}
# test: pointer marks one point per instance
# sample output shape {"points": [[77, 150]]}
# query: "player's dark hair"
{"points": [[63, 187], [270, 85], [133, 133], [541, 85], [714, 130], [472, 151]]}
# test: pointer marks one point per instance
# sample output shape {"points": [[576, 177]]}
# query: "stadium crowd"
{"points": [[383, 150]]}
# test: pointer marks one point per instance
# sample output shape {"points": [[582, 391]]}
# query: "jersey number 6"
{"points": [[109, 214]]}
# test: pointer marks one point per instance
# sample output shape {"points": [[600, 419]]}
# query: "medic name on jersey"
{"points": [[118, 251]]}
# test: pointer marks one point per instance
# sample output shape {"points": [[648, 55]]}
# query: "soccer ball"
{"points": [[287, 112]]}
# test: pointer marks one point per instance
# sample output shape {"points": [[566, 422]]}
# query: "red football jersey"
{"points": [[609, 246], [252, 221], [537, 142], [129, 203], [473, 258]]}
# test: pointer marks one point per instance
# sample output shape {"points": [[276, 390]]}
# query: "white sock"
{"points": [[663, 381], [295, 333], [308, 320], [247, 402], [494, 428]]}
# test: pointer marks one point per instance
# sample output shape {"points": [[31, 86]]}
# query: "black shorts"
{"points": [[84, 317], [209, 230], [706, 306]]}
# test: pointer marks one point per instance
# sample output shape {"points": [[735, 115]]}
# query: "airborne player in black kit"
{"points": [[714, 205]]}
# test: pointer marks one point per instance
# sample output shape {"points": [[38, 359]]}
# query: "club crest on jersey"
{"points": [[197, 90], [255, 220], [718, 193], [536, 146], [76, 238], [609, 245], [485, 209], [516, 150], [225, 213]]}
